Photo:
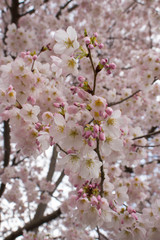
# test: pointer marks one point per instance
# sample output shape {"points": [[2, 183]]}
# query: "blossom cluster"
{"points": [[56, 103]]}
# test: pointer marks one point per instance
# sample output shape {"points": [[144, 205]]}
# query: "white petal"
{"points": [[76, 44], [59, 120], [117, 144], [60, 35], [56, 60], [71, 33], [59, 48], [116, 114]]}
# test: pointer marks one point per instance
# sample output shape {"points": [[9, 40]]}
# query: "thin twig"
{"points": [[124, 99], [59, 13], [102, 170], [147, 135], [146, 146], [94, 70], [127, 10], [150, 34], [61, 148]]}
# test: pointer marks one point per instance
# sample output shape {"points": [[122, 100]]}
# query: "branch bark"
{"points": [[34, 224], [7, 151], [14, 11], [42, 207], [115, 103], [147, 135], [59, 13]]}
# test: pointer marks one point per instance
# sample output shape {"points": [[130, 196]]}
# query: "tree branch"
{"points": [[34, 224], [59, 180], [115, 103], [146, 146], [130, 7], [14, 11], [102, 170], [59, 13], [7, 150], [150, 34], [28, 12], [42, 207], [147, 135]]}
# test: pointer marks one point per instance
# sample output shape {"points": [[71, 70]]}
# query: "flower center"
{"points": [[69, 43]]}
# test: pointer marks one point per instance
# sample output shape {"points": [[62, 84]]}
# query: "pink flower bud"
{"points": [[95, 34], [106, 59], [109, 111], [38, 126], [95, 44], [87, 40], [62, 104], [101, 136], [73, 89], [81, 78], [83, 105], [96, 128], [111, 204], [10, 88], [101, 45], [109, 71], [95, 135], [105, 115], [34, 57], [22, 54], [94, 200], [134, 216], [99, 197], [70, 151], [56, 105], [131, 210], [90, 142], [90, 46], [82, 94], [80, 190], [87, 134], [112, 65], [100, 211], [31, 100], [103, 61]]}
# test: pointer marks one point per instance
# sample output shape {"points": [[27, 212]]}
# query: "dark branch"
{"points": [[42, 207], [59, 13], [28, 12], [147, 135], [115, 103], [61, 148], [14, 11], [102, 170], [73, 7], [34, 224], [59, 180], [146, 146], [7, 150], [150, 34]]}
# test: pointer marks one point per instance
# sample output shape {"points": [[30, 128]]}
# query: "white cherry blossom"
{"points": [[66, 41]]}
